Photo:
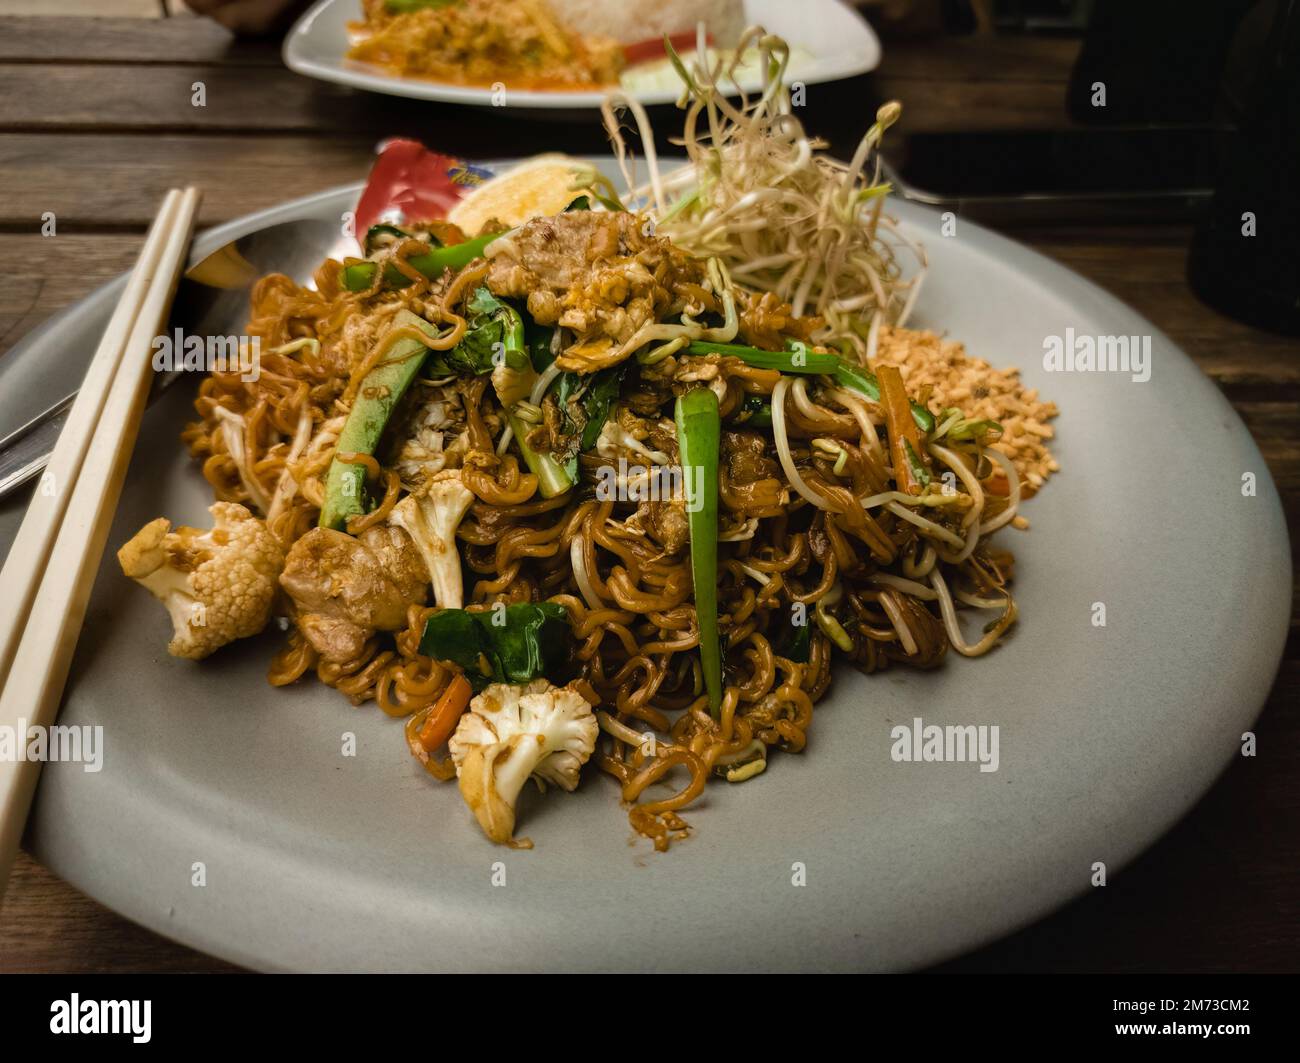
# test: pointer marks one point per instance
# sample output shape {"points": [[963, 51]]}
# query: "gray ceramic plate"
{"points": [[1107, 734]]}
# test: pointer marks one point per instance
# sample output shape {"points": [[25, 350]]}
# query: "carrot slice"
{"points": [[904, 436], [446, 712]]}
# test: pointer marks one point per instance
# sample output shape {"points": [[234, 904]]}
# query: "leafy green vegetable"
{"points": [[581, 203], [432, 263], [863, 381], [919, 472], [488, 323], [983, 432], [402, 7], [381, 390], [376, 231], [596, 402], [552, 477], [585, 403], [793, 641], [532, 643], [599, 398], [517, 644], [454, 635], [756, 412], [699, 430], [537, 338], [796, 361]]}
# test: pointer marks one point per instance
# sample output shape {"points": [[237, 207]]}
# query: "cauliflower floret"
{"points": [[429, 434], [510, 733], [218, 585], [430, 517]]}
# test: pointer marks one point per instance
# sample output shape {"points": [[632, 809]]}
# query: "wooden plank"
{"points": [[938, 105], [83, 9], [116, 40], [73, 96], [48, 926], [57, 271], [979, 58], [66, 96], [256, 101], [39, 36], [238, 175]]}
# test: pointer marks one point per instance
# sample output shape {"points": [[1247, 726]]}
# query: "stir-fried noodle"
{"points": [[826, 548]]}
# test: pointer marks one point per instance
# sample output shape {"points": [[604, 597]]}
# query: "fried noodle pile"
{"points": [[816, 518]]}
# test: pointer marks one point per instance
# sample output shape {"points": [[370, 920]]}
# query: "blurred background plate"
{"points": [[829, 41], [314, 860]]}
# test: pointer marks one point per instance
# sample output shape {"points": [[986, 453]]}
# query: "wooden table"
{"points": [[96, 121]]}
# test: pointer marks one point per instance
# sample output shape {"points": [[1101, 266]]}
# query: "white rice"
{"points": [[629, 22]]}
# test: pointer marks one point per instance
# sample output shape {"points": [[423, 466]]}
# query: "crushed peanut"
{"points": [[955, 379]]}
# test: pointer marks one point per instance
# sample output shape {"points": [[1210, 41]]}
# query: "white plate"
{"points": [[313, 860], [830, 41]]}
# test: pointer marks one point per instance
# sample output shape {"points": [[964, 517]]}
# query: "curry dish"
{"points": [[518, 44]]}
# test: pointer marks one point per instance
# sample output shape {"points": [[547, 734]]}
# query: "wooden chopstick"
{"points": [[55, 570], [31, 547]]}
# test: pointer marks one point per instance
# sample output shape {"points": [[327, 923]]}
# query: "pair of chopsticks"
{"points": [[51, 567]]}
